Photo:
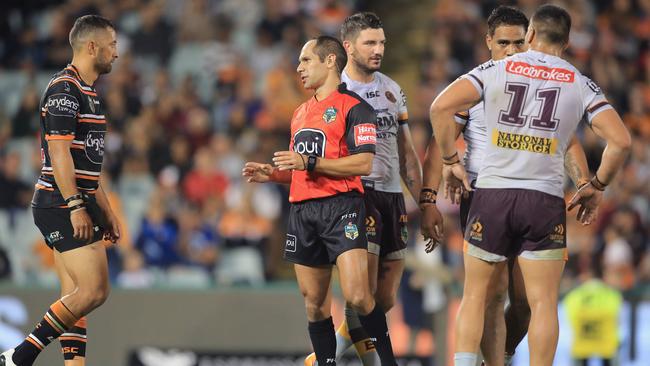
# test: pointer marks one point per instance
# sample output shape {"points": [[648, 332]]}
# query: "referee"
{"points": [[333, 137]]}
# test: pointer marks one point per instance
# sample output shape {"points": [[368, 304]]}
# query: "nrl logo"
{"points": [[330, 115]]}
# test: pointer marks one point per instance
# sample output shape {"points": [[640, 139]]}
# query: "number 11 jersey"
{"points": [[533, 104]]}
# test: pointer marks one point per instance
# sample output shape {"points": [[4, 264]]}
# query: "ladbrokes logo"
{"points": [[558, 234], [540, 72], [513, 141], [477, 231], [365, 133], [309, 141]]}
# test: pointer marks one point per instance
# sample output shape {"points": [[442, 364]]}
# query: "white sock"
{"points": [[465, 359]]}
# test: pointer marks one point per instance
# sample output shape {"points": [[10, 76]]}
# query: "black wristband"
{"points": [[311, 163], [304, 165], [450, 156], [77, 207], [597, 184], [77, 196], [430, 190]]}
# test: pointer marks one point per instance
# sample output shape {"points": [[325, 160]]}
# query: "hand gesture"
{"points": [[112, 230], [289, 160], [431, 226], [588, 198], [81, 224], [456, 183], [257, 172]]}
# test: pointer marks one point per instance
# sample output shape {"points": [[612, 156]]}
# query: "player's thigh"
{"points": [[314, 282], [373, 269], [541, 279], [67, 284], [87, 266], [353, 273], [478, 275], [516, 287], [388, 280]]}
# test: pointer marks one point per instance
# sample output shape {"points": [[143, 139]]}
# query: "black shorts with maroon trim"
{"points": [[505, 223], [321, 229], [386, 224], [56, 227]]}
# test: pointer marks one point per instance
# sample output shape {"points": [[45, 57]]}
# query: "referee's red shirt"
{"points": [[340, 125]]}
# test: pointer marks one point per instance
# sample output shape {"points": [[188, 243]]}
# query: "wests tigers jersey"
{"points": [[340, 125], [70, 110]]}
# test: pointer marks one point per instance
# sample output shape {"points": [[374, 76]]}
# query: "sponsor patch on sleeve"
{"points": [[62, 105], [365, 134]]}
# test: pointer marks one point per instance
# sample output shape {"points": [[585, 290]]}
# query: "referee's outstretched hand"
{"points": [[289, 160], [257, 172]]}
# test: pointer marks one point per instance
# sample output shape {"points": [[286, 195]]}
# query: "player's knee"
{"points": [[360, 302], [497, 301], [94, 297], [315, 310], [385, 301]]}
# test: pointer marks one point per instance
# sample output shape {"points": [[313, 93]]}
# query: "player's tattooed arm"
{"points": [[410, 167], [575, 163]]}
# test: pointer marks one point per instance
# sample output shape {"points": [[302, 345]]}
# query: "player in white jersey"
{"points": [[386, 220], [506, 32], [533, 103]]}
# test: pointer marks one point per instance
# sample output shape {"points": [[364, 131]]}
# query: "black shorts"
{"points": [[386, 224], [322, 229], [56, 227], [516, 222]]}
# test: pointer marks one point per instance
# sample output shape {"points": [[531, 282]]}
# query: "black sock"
{"points": [[323, 339], [375, 325], [73, 341]]}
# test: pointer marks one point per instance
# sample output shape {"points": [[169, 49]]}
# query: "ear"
{"points": [[348, 46], [530, 35], [91, 46], [488, 41], [330, 61]]}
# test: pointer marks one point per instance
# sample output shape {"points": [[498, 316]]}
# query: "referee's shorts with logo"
{"points": [[321, 229]]}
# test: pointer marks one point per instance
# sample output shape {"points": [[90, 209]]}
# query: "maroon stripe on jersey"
{"points": [[477, 80], [597, 106]]}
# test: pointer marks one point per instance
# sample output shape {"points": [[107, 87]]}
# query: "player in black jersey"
{"points": [[70, 207]]}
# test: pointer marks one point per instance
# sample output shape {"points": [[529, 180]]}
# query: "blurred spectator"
{"points": [[158, 237], [204, 181], [198, 240], [15, 193]]}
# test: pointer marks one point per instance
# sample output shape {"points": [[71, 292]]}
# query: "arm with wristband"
{"points": [[64, 175]]}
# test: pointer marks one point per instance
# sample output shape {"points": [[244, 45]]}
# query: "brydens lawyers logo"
{"points": [[540, 72], [365, 133]]}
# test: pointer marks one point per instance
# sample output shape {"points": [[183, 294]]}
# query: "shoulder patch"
{"points": [[486, 65], [62, 105], [594, 87]]}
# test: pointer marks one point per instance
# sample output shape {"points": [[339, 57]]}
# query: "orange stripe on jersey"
{"points": [[34, 343], [70, 338], [59, 137], [67, 78], [40, 186], [80, 147], [91, 120], [89, 177]]}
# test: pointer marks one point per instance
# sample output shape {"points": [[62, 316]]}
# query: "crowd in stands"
{"points": [[201, 86]]}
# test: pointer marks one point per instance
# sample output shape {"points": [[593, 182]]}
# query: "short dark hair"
{"points": [[85, 25], [552, 24], [355, 23], [506, 15], [327, 45]]}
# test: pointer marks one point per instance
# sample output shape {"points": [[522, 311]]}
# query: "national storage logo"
{"points": [[514, 141]]}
